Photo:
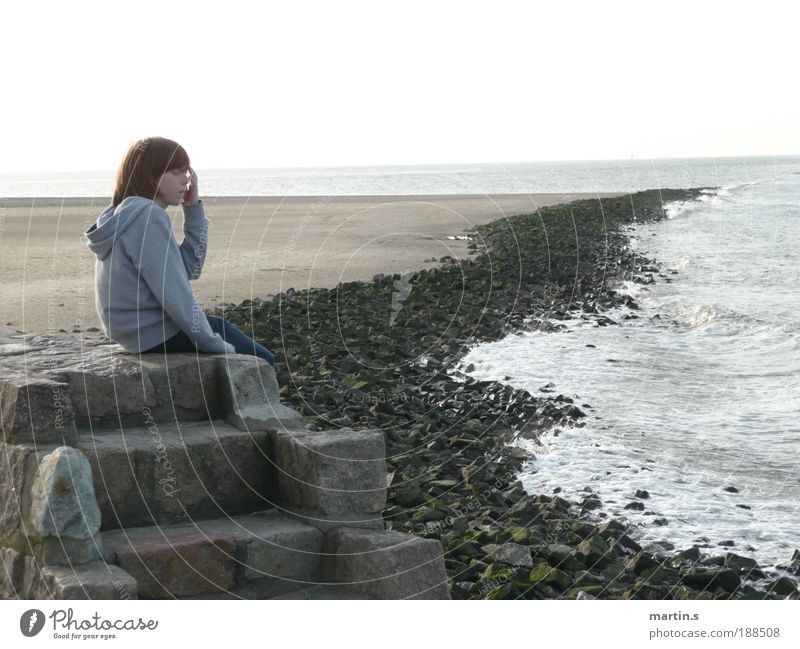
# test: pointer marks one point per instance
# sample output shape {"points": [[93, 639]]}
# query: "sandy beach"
{"points": [[258, 246]]}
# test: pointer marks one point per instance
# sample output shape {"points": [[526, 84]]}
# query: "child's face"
{"points": [[171, 187]]}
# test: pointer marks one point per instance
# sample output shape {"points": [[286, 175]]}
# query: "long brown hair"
{"points": [[144, 164]]}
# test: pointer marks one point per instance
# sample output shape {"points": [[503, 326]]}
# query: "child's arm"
{"points": [[195, 239]]}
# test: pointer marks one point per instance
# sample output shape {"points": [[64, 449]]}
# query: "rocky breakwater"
{"points": [[384, 355]]}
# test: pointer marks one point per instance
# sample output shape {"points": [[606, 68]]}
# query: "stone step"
{"points": [[52, 386], [289, 591], [171, 473], [253, 553], [324, 591]]}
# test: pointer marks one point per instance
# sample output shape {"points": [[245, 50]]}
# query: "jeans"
{"points": [[180, 342]]}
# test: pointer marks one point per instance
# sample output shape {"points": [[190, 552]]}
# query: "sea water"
{"points": [[696, 401], [497, 178]]}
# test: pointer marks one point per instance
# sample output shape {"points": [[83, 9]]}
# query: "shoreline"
{"points": [[257, 246], [452, 468]]}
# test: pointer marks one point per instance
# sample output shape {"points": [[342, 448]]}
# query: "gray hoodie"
{"points": [[142, 290]]}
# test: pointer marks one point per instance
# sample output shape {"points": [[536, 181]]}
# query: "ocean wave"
{"points": [[706, 316], [715, 197]]}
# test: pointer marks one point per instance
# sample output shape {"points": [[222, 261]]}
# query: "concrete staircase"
{"points": [[183, 476]]}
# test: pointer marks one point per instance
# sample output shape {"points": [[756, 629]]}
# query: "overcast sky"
{"points": [[292, 83]]}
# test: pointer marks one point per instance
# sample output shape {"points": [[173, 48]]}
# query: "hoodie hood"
{"points": [[112, 223]]}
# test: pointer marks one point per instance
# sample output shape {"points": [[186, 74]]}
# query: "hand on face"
{"points": [[192, 193]]}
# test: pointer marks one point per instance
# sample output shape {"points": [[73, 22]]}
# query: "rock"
{"points": [[726, 578], [642, 561], [635, 505], [738, 562], [783, 586], [642, 493], [544, 574], [510, 553], [690, 554], [561, 556], [731, 489], [64, 512], [795, 562], [594, 552]]}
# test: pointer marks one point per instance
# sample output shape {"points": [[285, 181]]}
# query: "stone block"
{"points": [[251, 395], [36, 410], [279, 548], [12, 566], [186, 385], [332, 472], [173, 562], [116, 488], [95, 580], [19, 467], [105, 385], [171, 473], [385, 564]]}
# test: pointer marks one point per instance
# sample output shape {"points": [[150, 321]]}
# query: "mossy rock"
{"points": [[543, 573]]}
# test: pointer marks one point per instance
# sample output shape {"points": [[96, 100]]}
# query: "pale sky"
{"points": [[292, 83]]}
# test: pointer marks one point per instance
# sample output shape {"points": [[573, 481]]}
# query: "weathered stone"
{"points": [[554, 577], [594, 552], [783, 586], [561, 556], [19, 467], [15, 349], [727, 579], [274, 547], [738, 562], [642, 561], [66, 551], [36, 410], [510, 553], [105, 385], [186, 382], [64, 513], [170, 472], [385, 565], [250, 395], [12, 567], [173, 561], [95, 580], [332, 472], [63, 496], [116, 488]]}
